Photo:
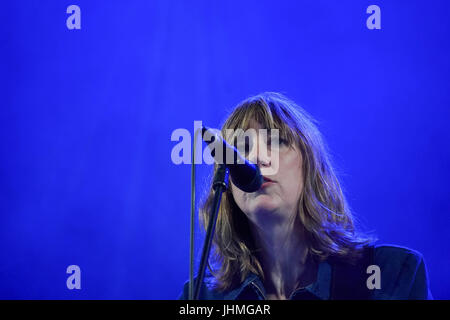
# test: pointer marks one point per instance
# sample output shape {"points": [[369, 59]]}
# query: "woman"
{"points": [[295, 237]]}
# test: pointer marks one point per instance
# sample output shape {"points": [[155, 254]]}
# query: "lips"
{"points": [[267, 182]]}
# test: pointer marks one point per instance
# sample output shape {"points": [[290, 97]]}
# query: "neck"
{"points": [[284, 257]]}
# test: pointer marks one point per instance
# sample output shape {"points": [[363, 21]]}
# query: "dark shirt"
{"points": [[403, 277]]}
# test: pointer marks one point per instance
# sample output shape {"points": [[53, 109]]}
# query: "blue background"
{"points": [[86, 175]]}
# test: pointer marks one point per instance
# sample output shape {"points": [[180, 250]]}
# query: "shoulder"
{"points": [[389, 254], [403, 272], [207, 291]]}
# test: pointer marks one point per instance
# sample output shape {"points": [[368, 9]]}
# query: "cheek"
{"points": [[239, 196], [293, 173]]}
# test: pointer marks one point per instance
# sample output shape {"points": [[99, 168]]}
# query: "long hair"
{"points": [[325, 217]]}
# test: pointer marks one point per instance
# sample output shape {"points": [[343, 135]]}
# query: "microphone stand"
{"points": [[220, 184]]}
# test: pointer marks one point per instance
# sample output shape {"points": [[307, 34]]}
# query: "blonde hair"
{"points": [[322, 209]]}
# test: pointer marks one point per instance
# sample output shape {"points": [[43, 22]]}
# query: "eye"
{"points": [[281, 142], [244, 146], [248, 145]]}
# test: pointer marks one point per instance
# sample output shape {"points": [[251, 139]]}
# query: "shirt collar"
{"points": [[320, 288]]}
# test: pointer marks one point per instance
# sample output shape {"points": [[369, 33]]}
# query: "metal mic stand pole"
{"points": [[220, 184]]}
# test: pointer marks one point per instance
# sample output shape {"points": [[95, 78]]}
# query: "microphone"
{"points": [[244, 174]]}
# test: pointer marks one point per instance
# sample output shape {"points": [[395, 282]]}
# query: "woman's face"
{"points": [[278, 197]]}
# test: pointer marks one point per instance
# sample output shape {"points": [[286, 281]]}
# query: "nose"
{"points": [[263, 163], [260, 155]]}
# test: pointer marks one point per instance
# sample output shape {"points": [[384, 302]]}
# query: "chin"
{"points": [[265, 203]]}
